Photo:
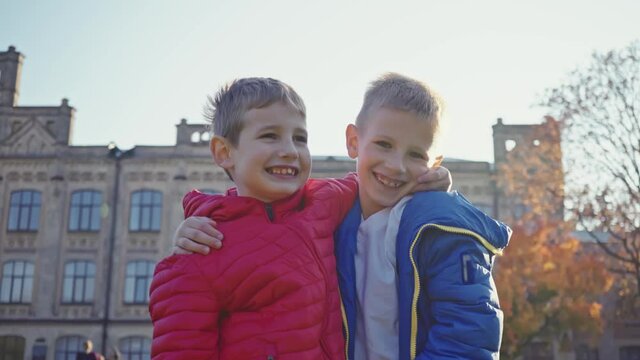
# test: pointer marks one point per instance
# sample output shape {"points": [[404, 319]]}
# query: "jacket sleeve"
{"points": [[334, 195], [184, 311], [464, 316], [196, 203]]}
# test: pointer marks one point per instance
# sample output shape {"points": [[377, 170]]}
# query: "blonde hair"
{"points": [[226, 109], [400, 92]]}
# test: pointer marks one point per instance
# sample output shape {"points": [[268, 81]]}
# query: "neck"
{"points": [[368, 206]]}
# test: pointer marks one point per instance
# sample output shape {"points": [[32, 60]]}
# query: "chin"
{"points": [[282, 193]]}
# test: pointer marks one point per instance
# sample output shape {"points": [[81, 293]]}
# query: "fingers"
{"points": [[203, 225], [435, 179], [440, 185], [204, 234], [188, 246], [432, 175], [180, 251], [196, 234]]}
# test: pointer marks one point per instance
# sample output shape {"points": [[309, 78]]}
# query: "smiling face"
{"points": [[270, 160], [391, 148]]}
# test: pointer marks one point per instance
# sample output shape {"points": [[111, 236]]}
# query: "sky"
{"points": [[133, 69]]}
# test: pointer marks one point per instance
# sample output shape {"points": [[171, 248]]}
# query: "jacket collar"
{"points": [[231, 206]]}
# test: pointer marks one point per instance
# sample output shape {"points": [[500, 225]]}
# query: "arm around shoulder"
{"points": [[184, 311], [336, 195]]}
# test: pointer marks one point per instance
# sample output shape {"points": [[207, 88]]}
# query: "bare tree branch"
{"points": [[599, 107]]}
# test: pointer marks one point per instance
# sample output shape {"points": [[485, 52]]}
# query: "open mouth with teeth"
{"points": [[388, 181], [283, 171]]}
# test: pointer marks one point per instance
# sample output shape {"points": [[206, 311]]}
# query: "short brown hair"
{"points": [[400, 92], [226, 109]]}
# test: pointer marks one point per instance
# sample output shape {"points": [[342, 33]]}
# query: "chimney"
{"points": [[10, 69]]}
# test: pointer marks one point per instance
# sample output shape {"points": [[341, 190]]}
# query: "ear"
{"points": [[352, 141], [221, 149]]}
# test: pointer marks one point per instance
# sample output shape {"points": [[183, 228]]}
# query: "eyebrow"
{"points": [[393, 140], [276, 127]]}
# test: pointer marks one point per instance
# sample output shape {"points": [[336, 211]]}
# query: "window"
{"points": [[584, 352], [67, 347], [79, 282], [538, 351], [135, 348], [39, 349], [24, 211], [11, 347], [17, 282], [84, 212], [137, 281], [195, 137], [630, 353], [210, 191], [146, 210]]}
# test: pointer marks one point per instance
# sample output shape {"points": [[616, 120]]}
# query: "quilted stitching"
{"points": [[272, 288]]}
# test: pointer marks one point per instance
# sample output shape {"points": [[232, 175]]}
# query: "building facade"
{"points": [[81, 227]]}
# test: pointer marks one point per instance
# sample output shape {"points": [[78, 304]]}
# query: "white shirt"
{"points": [[377, 299]]}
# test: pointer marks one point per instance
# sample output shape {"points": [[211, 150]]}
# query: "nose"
{"points": [[395, 163], [288, 150]]}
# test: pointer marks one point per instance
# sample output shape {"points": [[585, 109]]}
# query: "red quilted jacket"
{"points": [[271, 292]]}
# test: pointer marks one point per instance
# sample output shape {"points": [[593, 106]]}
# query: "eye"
{"points": [[383, 144], [418, 155], [300, 139], [268, 136]]}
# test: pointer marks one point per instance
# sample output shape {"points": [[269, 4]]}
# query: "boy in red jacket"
{"points": [[273, 293]]}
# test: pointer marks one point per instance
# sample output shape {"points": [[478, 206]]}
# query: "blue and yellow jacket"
{"points": [[447, 299]]}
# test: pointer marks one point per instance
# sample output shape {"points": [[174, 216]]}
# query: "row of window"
{"points": [[67, 347], [85, 210], [78, 285], [138, 348]]}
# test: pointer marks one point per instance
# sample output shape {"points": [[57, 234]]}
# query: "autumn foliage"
{"points": [[548, 286], [548, 283]]}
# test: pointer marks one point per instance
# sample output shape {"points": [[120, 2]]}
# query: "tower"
{"points": [[10, 69], [538, 146]]}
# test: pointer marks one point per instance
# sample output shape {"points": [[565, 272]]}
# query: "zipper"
{"points": [[416, 292], [269, 208], [416, 274], [345, 323]]}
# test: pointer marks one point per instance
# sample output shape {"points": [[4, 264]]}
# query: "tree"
{"points": [[548, 284], [547, 288], [599, 109]]}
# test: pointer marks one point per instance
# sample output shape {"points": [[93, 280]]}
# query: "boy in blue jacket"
{"points": [[414, 270]]}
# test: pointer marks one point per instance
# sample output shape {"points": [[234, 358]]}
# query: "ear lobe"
{"points": [[221, 150], [352, 141]]}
